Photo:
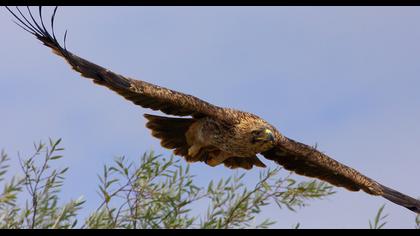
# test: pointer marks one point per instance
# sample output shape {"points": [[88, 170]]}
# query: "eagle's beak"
{"points": [[269, 135], [266, 136]]}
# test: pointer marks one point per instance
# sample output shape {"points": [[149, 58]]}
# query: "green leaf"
{"points": [[55, 157]]}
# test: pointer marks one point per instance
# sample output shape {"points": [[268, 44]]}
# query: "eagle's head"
{"points": [[263, 138], [253, 135]]}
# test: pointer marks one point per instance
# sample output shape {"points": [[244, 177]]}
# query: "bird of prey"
{"points": [[212, 134]]}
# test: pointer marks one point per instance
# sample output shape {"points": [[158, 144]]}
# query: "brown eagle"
{"points": [[211, 134]]}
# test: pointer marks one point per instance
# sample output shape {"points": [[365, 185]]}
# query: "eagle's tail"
{"points": [[401, 199], [171, 131]]}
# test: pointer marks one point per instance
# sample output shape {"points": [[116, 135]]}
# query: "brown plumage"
{"points": [[212, 134]]}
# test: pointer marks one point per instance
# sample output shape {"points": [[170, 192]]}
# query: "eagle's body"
{"points": [[214, 141], [213, 134]]}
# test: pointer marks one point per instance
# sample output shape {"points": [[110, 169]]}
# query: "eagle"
{"points": [[202, 132]]}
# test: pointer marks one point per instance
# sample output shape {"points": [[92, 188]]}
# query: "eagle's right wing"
{"points": [[308, 161], [139, 92]]}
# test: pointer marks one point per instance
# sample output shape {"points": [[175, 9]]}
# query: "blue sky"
{"points": [[346, 78]]}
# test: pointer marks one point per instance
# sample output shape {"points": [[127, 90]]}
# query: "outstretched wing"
{"points": [[306, 160], [139, 92]]}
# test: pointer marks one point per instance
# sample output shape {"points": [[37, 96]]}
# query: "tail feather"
{"points": [[401, 199]]}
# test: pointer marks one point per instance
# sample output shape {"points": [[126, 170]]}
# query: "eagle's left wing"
{"points": [[306, 160]]}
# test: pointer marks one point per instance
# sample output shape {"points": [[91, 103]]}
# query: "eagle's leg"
{"points": [[194, 150], [217, 158]]}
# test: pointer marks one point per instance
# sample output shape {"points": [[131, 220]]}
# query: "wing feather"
{"points": [[139, 92], [308, 161]]}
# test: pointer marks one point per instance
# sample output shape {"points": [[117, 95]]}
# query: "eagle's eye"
{"points": [[262, 135]]}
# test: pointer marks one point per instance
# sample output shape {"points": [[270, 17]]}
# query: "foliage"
{"points": [[42, 185], [156, 192], [379, 221]]}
